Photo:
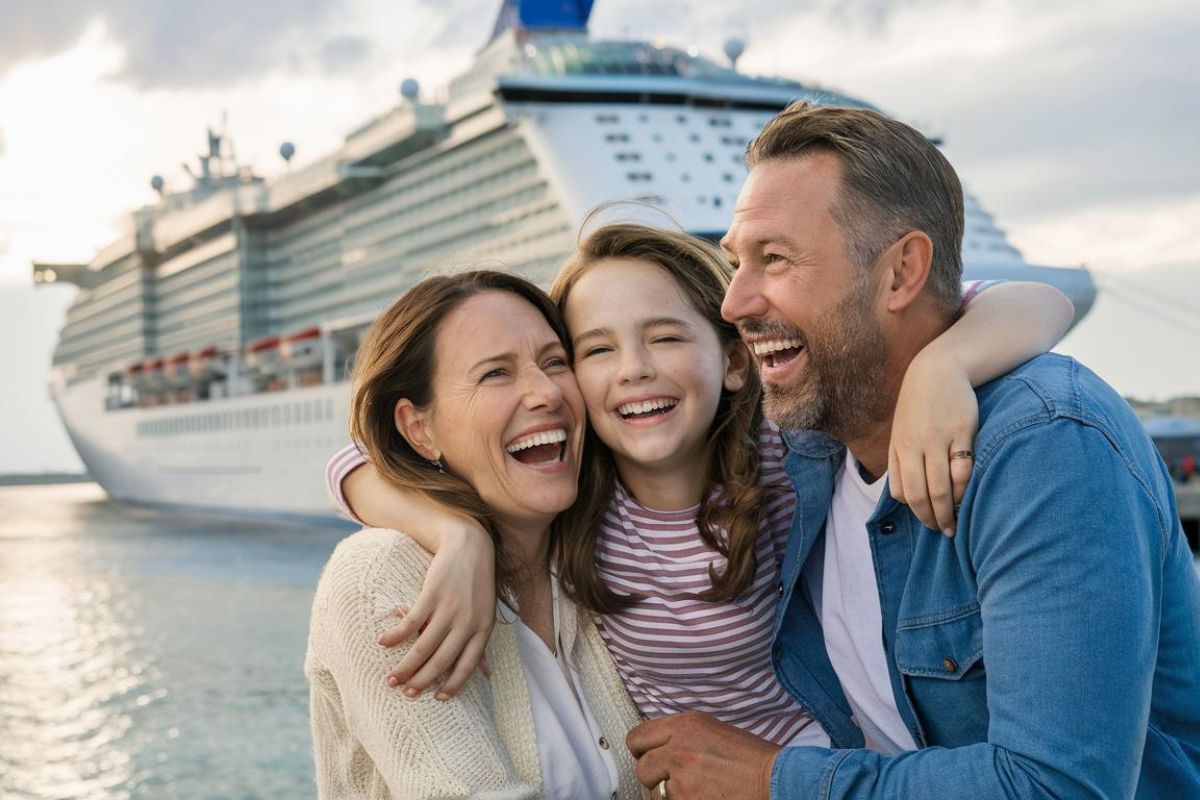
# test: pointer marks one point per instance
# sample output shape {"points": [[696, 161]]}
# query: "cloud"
{"points": [[178, 43], [343, 54]]}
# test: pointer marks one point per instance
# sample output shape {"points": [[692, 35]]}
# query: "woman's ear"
{"points": [[737, 366], [416, 428]]}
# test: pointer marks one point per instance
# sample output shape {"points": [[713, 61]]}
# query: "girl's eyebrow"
{"points": [[646, 324]]}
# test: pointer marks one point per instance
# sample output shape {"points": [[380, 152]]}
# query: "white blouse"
{"points": [[575, 757]]}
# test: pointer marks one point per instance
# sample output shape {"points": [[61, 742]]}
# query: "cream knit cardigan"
{"points": [[372, 742]]}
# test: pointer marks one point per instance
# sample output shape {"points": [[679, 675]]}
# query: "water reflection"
{"points": [[150, 655]]}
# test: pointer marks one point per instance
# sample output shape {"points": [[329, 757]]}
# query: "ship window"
{"points": [[638, 176], [708, 157], [616, 137], [656, 137], [681, 119], [686, 177], [716, 201], [695, 137], [607, 119], [720, 122], [736, 141], [643, 117], [670, 156], [727, 177], [629, 156]]}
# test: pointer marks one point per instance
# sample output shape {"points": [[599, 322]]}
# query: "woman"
{"points": [[463, 389]]}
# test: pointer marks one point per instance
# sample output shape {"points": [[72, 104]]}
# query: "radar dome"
{"points": [[287, 150], [410, 89], [157, 183], [733, 49]]}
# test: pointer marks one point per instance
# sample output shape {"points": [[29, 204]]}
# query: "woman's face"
{"points": [[506, 414]]}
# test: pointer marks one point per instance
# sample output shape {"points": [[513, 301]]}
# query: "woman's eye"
{"points": [[498, 372], [771, 258], [558, 362]]}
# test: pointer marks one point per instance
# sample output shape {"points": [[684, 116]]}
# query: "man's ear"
{"points": [[909, 262], [737, 366], [416, 428]]}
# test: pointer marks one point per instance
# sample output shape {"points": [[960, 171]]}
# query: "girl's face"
{"points": [[650, 366]]}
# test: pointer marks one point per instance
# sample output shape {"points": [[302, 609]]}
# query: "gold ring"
{"points": [[661, 789], [962, 454]]}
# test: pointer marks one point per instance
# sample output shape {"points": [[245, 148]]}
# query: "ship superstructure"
{"points": [[204, 360]]}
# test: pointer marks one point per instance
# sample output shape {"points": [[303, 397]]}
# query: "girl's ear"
{"points": [[416, 427], [737, 366]]}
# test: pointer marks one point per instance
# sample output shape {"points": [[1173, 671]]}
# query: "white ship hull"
{"points": [[261, 453]]}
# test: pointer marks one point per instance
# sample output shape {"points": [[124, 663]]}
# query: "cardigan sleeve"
{"points": [[370, 741]]}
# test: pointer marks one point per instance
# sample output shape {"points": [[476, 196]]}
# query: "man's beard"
{"points": [[841, 390]]}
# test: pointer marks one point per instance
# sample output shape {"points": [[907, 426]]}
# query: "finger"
{"points": [[423, 648], [960, 470], [409, 625], [462, 670], [650, 770], [916, 495], [483, 664], [941, 497], [648, 735], [895, 478], [439, 663]]}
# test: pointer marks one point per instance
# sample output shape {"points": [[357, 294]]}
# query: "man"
{"points": [[1051, 648]]}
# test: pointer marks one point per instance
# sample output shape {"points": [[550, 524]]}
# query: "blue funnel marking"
{"points": [[532, 15]]}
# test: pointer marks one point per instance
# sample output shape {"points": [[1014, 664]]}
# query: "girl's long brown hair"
{"points": [[733, 494], [397, 360]]}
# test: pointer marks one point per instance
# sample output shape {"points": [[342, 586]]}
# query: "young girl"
{"points": [[684, 508]]}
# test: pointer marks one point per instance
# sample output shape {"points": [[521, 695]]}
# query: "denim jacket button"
{"points": [[887, 527], [780, 592], [950, 664]]}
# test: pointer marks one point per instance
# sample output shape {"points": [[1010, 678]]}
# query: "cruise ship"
{"points": [[204, 361]]}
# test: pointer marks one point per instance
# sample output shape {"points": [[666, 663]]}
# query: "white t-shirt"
{"points": [[573, 761], [845, 596]]}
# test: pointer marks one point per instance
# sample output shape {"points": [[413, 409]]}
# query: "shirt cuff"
{"points": [[805, 773]]}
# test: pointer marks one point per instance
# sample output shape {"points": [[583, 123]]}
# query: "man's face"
{"points": [[802, 306]]}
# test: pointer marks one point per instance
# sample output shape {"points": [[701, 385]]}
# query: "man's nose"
{"points": [[744, 298]]}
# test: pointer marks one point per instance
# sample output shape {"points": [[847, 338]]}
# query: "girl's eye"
{"points": [[666, 339], [597, 350]]}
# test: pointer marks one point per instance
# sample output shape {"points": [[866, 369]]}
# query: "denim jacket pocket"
{"points": [[946, 645]]}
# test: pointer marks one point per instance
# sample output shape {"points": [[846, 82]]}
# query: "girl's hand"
{"points": [[937, 416], [452, 617]]}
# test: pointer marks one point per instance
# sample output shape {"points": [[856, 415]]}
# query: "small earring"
{"points": [[436, 463]]}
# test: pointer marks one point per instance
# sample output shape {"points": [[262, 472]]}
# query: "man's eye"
{"points": [[771, 258]]}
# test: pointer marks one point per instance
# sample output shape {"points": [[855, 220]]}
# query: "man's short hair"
{"points": [[894, 180]]}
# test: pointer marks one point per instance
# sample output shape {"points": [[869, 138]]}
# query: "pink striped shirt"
{"points": [[676, 653]]}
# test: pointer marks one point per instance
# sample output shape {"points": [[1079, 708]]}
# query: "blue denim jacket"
{"points": [[1051, 649]]}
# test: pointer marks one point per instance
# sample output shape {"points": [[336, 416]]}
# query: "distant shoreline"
{"points": [[44, 478]]}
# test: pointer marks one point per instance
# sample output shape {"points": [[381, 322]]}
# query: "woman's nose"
{"points": [[540, 391]]}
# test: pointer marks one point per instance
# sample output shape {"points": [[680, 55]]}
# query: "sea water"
{"points": [[147, 654]]}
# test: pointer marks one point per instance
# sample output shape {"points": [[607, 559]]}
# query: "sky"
{"points": [[1075, 124]]}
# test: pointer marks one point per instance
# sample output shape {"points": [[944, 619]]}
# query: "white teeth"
{"points": [[537, 439], [775, 345], [645, 406]]}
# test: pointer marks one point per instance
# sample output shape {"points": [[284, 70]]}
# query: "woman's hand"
{"points": [[452, 617], [937, 416]]}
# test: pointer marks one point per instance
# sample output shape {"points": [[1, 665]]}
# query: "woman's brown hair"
{"points": [[397, 360], [732, 497]]}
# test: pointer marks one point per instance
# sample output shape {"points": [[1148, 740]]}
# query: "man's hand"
{"points": [[702, 759]]}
